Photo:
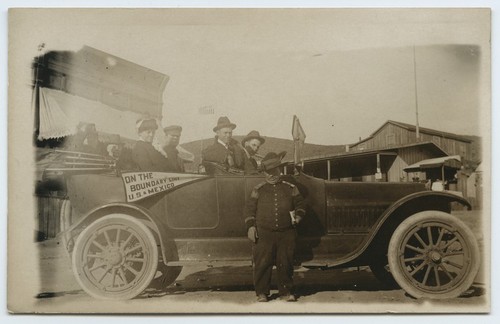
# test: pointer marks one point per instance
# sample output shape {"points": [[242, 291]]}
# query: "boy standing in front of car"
{"points": [[272, 210]]}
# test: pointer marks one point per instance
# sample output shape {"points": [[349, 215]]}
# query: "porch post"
{"points": [[328, 172]]}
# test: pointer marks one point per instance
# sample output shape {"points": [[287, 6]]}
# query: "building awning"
{"points": [[91, 86], [453, 161], [61, 113]]}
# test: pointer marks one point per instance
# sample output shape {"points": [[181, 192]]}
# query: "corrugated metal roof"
{"points": [[386, 151]]}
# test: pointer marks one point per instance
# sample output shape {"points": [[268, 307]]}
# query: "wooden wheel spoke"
{"points": [[454, 264], [429, 236], [127, 240], [104, 274], [129, 268], [416, 258], [446, 271], [98, 245], [95, 256], [113, 277], [118, 236], [420, 240], [436, 274], [440, 237], [122, 275], [416, 249], [450, 242], [107, 238], [133, 249], [97, 266], [417, 269], [426, 276], [453, 253]]}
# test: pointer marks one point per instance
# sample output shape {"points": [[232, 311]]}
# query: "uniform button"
{"points": [[276, 225]]}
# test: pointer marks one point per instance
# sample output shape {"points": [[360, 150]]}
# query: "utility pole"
{"points": [[416, 93]]}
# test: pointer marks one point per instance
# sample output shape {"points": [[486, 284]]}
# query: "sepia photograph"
{"points": [[249, 160]]}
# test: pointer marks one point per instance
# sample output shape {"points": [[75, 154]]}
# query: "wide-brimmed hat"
{"points": [[146, 124], [253, 134], [176, 129], [224, 122], [272, 160]]}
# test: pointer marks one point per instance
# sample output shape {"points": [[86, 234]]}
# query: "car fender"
{"points": [[158, 230], [398, 212]]}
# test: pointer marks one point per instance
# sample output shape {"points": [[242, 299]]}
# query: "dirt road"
{"points": [[229, 289]]}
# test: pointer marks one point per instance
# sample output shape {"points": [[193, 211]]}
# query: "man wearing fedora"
{"points": [[144, 155], [225, 151], [251, 144], [172, 138], [271, 212]]}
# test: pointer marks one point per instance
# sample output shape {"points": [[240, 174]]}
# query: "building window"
{"points": [[390, 139]]}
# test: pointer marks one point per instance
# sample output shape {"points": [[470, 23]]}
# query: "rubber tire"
{"points": [[151, 263], [400, 274]]}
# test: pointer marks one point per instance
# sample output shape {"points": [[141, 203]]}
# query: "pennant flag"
{"points": [[297, 130], [140, 185], [299, 137]]}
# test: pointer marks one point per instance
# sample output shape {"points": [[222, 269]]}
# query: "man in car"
{"points": [[226, 151], [144, 155], [172, 138], [251, 144], [273, 209]]}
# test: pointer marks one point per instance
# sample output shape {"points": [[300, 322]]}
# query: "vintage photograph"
{"points": [[249, 161]]}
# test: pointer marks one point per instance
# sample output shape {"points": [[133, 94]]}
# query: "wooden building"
{"points": [[384, 155], [394, 134]]}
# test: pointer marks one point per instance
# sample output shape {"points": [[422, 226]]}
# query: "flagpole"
{"points": [[416, 93]]}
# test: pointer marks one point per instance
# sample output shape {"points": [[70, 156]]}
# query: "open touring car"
{"points": [[124, 228]]}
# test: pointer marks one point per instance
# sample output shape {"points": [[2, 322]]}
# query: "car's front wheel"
{"points": [[115, 257], [433, 254]]}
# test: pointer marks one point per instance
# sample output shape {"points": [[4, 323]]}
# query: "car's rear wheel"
{"points": [[115, 257], [433, 255]]}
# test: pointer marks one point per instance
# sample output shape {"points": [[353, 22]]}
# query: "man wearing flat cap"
{"points": [[251, 144], [225, 151], [144, 155], [271, 212], [172, 138]]}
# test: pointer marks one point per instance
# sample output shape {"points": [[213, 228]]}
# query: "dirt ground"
{"points": [[230, 290]]}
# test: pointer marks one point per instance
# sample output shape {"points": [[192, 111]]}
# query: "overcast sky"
{"points": [[342, 72]]}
